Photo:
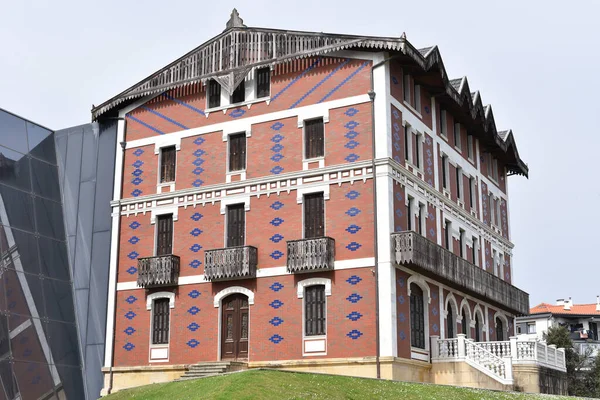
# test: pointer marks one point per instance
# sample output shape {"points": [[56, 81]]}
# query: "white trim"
{"points": [[307, 114], [301, 191], [231, 290], [226, 201], [160, 295], [484, 328], [312, 282], [242, 126], [19, 329], [419, 281], [166, 141], [164, 211]]}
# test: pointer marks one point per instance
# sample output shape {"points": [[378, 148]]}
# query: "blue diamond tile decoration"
{"points": [[195, 232], [276, 255], [131, 299], [353, 212], [198, 161], [36, 380], [401, 317], [197, 216], [351, 134], [351, 125], [277, 148], [353, 246], [276, 339], [133, 255], [352, 195], [134, 225], [276, 304], [137, 172], [402, 335], [354, 298], [130, 315], [134, 240], [276, 238], [277, 205], [194, 294], [352, 157], [193, 343], [237, 113], [138, 152], [193, 327], [276, 321], [196, 248], [276, 287], [131, 270], [434, 311], [194, 310], [199, 141], [401, 299], [351, 144], [427, 110], [354, 334], [137, 181], [353, 229], [277, 126], [136, 192], [277, 170], [399, 213], [199, 153], [129, 346], [398, 196], [129, 331], [277, 138], [197, 182], [351, 112], [354, 279], [276, 157], [354, 316], [197, 170], [276, 221], [395, 82], [195, 263], [27, 353]]}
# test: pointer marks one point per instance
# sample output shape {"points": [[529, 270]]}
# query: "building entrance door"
{"points": [[235, 327]]}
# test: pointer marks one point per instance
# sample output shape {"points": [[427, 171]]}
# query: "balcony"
{"points": [[158, 271], [310, 255], [430, 259], [230, 263]]}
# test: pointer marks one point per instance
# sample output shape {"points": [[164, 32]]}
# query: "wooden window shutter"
{"points": [[314, 215], [263, 82], [314, 313], [417, 317], [236, 225], [313, 138], [164, 239], [214, 93], [239, 94], [167, 164], [237, 152], [160, 322]]}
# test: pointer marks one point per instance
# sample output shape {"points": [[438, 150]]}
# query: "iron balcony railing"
{"points": [[431, 259], [308, 255], [158, 271], [230, 263]]}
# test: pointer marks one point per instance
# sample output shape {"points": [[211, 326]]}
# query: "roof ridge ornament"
{"points": [[235, 21]]}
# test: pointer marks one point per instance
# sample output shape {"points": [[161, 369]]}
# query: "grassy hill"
{"points": [[277, 385]]}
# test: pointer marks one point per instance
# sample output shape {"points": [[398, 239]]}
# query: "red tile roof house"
{"points": [[258, 223]]}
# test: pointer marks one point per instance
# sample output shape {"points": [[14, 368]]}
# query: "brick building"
{"points": [[313, 201]]}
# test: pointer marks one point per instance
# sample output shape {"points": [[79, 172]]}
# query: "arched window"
{"points": [[417, 317], [450, 321], [465, 323], [499, 330], [477, 329]]}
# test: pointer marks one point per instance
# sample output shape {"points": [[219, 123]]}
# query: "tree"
{"points": [[592, 379]]}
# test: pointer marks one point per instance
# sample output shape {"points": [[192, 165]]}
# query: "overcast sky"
{"points": [[536, 62]]}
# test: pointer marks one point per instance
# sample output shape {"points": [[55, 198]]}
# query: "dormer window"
{"points": [[214, 94], [239, 94], [263, 82]]}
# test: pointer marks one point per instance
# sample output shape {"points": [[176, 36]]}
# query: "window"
{"points": [[236, 225], [471, 192], [313, 138], [470, 149], [443, 122], [447, 235], [495, 261], [494, 167], [237, 152], [417, 103], [418, 150], [407, 143], [531, 328], [422, 219], [263, 82], [164, 235], [314, 310], [498, 212], [239, 94], [417, 317], [457, 135], [407, 88], [408, 213], [477, 328], [314, 215], [160, 321], [519, 329], [465, 323], [474, 251], [462, 243], [214, 94], [167, 164], [499, 330], [450, 321], [459, 188], [445, 171], [492, 209]]}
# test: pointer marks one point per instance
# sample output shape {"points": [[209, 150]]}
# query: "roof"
{"points": [[231, 55], [576, 309]]}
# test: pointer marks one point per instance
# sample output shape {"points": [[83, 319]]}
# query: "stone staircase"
{"points": [[203, 369]]}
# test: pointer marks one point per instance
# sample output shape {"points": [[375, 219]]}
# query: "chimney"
{"points": [[560, 302], [568, 304], [597, 303]]}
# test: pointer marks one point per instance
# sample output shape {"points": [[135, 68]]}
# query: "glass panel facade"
{"points": [[39, 348]]}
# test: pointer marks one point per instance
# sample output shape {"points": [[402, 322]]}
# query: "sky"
{"points": [[536, 63]]}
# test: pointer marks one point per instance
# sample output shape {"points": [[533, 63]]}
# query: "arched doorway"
{"points": [[450, 321], [465, 323], [499, 330], [235, 327], [477, 328]]}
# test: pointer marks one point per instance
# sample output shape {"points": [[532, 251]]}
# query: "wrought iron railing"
{"points": [[230, 263], [158, 271], [431, 259], [307, 255]]}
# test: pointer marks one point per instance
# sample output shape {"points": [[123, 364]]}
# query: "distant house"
{"points": [[582, 320]]}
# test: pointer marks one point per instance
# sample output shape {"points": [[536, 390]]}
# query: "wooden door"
{"points": [[236, 225], [235, 327], [164, 239], [314, 216]]}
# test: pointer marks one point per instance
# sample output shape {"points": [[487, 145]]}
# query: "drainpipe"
{"points": [[375, 242]]}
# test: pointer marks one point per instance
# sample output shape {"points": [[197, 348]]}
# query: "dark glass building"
{"points": [[54, 245]]}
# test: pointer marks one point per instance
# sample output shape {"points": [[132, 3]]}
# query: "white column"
{"points": [[462, 345], [435, 348], [513, 347], [383, 123], [508, 367]]}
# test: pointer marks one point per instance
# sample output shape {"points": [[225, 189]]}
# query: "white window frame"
{"points": [[492, 208], [419, 150], [531, 331], [318, 343], [159, 352], [460, 186], [476, 250], [423, 219], [250, 86], [417, 98], [443, 124], [470, 148], [418, 353], [451, 300], [408, 131], [446, 171], [472, 193], [406, 88], [457, 143], [321, 159], [465, 304], [462, 242]]}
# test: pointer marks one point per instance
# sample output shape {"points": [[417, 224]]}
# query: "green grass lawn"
{"points": [[277, 385]]}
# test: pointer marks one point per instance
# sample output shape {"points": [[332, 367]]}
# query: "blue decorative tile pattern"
{"points": [[351, 112], [276, 339], [354, 280], [276, 321], [196, 217], [277, 148], [194, 310], [277, 206], [354, 316], [131, 270], [322, 81], [195, 263], [131, 117], [276, 254], [195, 232], [131, 299], [193, 327], [401, 317], [134, 240], [352, 158], [130, 315], [199, 141], [344, 81], [198, 161], [166, 118], [353, 229], [352, 195], [276, 304], [137, 173], [353, 246], [354, 298], [130, 330], [276, 287], [196, 248], [238, 112], [136, 193], [129, 346], [296, 79], [401, 299], [138, 152], [134, 225], [276, 221], [194, 294], [353, 212], [402, 335], [276, 238], [354, 334], [133, 255], [193, 343]]}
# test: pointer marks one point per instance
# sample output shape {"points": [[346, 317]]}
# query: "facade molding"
{"points": [[231, 290], [160, 295], [419, 281], [311, 282]]}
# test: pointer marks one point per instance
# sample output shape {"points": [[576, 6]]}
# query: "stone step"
{"points": [[203, 372], [191, 367]]}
